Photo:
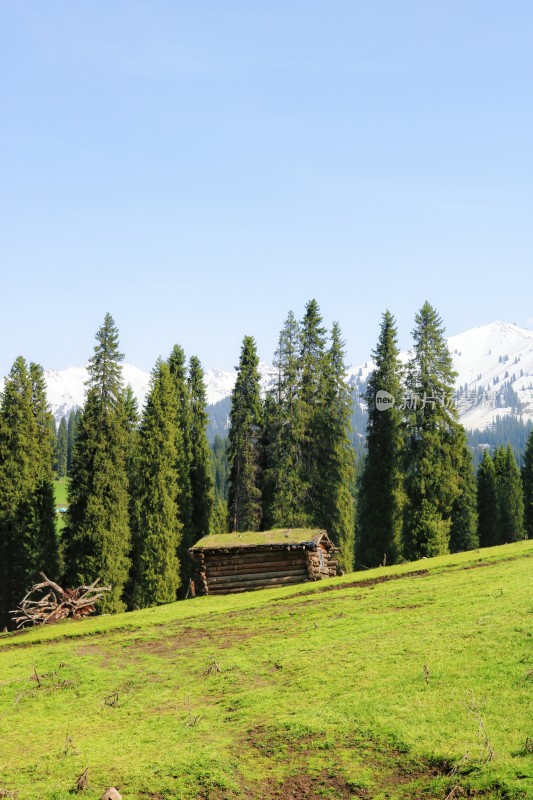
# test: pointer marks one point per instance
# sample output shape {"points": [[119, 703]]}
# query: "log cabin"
{"points": [[227, 563]]}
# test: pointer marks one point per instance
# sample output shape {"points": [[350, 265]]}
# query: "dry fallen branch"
{"points": [[482, 731], [454, 793], [193, 720], [82, 782], [212, 669], [47, 602]]}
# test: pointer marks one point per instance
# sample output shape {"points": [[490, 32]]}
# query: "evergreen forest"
{"points": [[145, 484]]}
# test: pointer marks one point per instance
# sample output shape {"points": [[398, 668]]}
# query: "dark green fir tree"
{"points": [[434, 449], [527, 480], [380, 501], [178, 369], [201, 476], [28, 541], [335, 485], [73, 420], [509, 496], [156, 526], [464, 529], [45, 532], [284, 495], [97, 535], [61, 449], [487, 504], [311, 398], [244, 496]]}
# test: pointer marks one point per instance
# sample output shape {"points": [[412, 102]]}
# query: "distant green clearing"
{"points": [[61, 500], [405, 683], [61, 492]]}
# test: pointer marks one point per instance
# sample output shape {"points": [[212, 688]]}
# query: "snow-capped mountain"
{"points": [[66, 388], [494, 365], [219, 383]]}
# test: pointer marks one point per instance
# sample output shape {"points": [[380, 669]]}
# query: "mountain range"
{"points": [[494, 365]]}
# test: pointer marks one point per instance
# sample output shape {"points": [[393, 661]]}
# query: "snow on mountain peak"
{"points": [[493, 360]]}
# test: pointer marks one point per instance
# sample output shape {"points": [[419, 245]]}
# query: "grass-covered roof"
{"points": [[277, 537]]}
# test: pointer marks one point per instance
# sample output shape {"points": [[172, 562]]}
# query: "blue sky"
{"points": [[199, 169]]}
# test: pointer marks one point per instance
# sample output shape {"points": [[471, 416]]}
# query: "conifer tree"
{"points": [[28, 541], [157, 527], [487, 504], [380, 498], [73, 420], [509, 496], [61, 449], [244, 499], [45, 533], [527, 480], [201, 477], [312, 385], [284, 498], [97, 535], [464, 529], [178, 370], [335, 487], [434, 449]]}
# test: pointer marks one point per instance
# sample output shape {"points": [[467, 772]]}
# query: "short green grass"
{"points": [[61, 492], [405, 683], [61, 500]]}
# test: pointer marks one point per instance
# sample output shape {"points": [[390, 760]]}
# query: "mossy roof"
{"points": [[276, 538]]}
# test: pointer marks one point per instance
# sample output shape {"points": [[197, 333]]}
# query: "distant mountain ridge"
{"points": [[494, 363]]}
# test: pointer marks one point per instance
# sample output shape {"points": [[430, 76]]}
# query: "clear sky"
{"points": [[198, 169]]}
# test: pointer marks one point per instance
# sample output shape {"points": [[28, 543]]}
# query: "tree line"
{"points": [[418, 492], [141, 485], [144, 486], [290, 457]]}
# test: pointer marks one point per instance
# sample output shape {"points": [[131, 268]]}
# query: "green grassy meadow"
{"points": [[405, 682], [61, 500], [61, 492]]}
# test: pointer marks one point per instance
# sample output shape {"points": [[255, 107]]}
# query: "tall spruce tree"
{"points": [[527, 480], [487, 503], [434, 442], [97, 535], [61, 449], [178, 369], [200, 475], [45, 533], [509, 496], [244, 499], [380, 499], [284, 496], [28, 541], [464, 529], [156, 526], [311, 397], [335, 487], [73, 420]]}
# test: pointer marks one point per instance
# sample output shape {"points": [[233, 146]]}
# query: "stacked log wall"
{"points": [[242, 571]]}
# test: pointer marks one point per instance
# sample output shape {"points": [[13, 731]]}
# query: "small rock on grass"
{"points": [[111, 794]]}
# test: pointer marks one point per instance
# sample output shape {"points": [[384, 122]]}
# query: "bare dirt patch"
{"points": [[314, 787]]}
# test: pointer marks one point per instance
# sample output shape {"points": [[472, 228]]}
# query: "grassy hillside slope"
{"points": [[406, 682]]}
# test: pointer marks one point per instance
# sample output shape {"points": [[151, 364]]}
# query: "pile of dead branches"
{"points": [[47, 602]]}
